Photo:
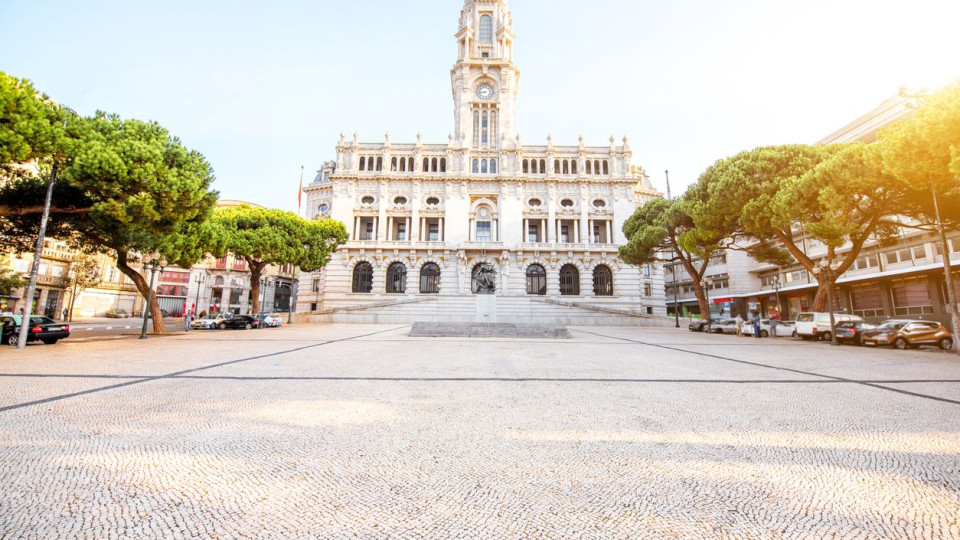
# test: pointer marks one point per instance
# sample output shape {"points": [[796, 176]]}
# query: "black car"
{"points": [[852, 331], [699, 325], [240, 321], [42, 329]]}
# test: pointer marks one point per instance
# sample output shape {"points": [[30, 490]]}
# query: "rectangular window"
{"points": [[892, 258], [57, 271], [919, 253], [434, 232], [911, 297], [483, 231], [904, 255], [401, 231], [315, 287], [867, 300], [532, 235], [564, 234], [647, 289], [20, 265]]}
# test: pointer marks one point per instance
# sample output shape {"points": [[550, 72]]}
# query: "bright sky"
{"points": [[261, 88]]}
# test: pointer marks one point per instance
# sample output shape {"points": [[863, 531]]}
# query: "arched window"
{"points": [[379, 163], [430, 279], [434, 168], [569, 280], [393, 164], [573, 167], [403, 164], [556, 166], [410, 164], [566, 166], [426, 164], [483, 167], [443, 164], [606, 167], [493, 166], [526, 166], [363, 278], [363, 163], [602, 281], [486, 29], [536, 280], [589, 167], [543, 166], [397, 278], [476, 166]]}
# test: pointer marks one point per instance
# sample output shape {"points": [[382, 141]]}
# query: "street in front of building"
{"points": [[341, 431]]}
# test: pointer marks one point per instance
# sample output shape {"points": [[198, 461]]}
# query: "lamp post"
{"points": [[199, 281], [706, 284], [676, 306], [776, 288], [153, 266], [38, 254], [290, 304], [825, 270]]}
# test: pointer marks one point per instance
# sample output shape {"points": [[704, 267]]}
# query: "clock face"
{"points": [[485, 91]]}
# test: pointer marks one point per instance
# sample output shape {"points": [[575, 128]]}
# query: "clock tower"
{"points": [[484, 80]]}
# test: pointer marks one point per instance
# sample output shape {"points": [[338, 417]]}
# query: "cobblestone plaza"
{"points": [[363, 432]]}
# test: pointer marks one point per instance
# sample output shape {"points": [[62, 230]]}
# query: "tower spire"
{"points": [[484, 80]]}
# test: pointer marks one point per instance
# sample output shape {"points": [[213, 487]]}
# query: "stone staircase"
{"points": [[488, 309]]}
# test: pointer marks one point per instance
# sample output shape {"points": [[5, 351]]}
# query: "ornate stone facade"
{"points": [[546, 218]]}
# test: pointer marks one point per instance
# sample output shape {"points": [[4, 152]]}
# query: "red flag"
{"points": [[300, 191]]}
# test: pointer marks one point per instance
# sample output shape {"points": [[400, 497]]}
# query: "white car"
{"points": [[271, 321], [207, 323], [784, 328], [816, 325]]}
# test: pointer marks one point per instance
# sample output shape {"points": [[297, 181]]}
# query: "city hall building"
{"points": [[481, 223]]}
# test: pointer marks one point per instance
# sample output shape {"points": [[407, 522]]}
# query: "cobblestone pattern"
{"points": [[389, 437]]}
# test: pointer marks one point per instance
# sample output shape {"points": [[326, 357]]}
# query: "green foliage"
{"points": [[29, 122], [923, 152], [266, 236], [838, 194], [8, 279], [270, 236]]}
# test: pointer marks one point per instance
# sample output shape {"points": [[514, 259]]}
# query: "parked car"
{"points": [[726, 326], [207, 323], [852, 331], [271, 321], [904, 333], [42, 329], [240, 321], [816, 325], [163, 313], [698, 325], [723, 326], [784, 328], [117, 313]]}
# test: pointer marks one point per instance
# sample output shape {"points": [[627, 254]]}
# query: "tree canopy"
{"points": [[262, 237], [127, 188], [663, 227], [837, 194], [29, 122]]}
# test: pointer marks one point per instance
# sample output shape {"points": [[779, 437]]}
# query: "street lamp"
{"points": [[153, 266], [706, 284], [825, 270], [38, 254], [199, 281], [776, 288]]}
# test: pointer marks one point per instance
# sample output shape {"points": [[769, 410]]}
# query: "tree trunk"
{"points": [[821, 299], [702, 301], [256, 271], [159, 327]]}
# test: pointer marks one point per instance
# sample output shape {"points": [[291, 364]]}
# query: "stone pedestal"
{"points": [[486, 308]]}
